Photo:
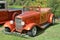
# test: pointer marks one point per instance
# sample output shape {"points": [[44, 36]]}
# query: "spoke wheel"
{"points": [[32, 32], [53, 20]]}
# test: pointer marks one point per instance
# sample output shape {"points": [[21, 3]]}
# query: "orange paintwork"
{"points": [[34, 18], [6, 15], [11, 26]]}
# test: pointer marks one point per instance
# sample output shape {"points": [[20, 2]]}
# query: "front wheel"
{"points": [[32, 32], [7, 29]]}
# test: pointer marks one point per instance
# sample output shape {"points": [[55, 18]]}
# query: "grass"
{"points": [[51, 33]]}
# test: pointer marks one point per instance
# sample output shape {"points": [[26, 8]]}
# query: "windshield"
{"points": [[26, 9], [31, 8]]}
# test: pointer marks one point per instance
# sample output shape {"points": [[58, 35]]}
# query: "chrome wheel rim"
{"points": [[53, 21], [34, 31]]}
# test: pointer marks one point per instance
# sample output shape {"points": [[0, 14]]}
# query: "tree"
{"points": [[54, 4]]}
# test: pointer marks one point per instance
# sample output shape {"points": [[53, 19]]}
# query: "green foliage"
{"points": [[57, 12], [53, 4], [42, 3], [15, 6]]}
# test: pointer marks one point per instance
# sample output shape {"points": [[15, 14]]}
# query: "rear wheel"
{"points": [[53, 20], [32, 32]]}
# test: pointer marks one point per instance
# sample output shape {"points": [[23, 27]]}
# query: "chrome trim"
{"points": [[18, 23]]}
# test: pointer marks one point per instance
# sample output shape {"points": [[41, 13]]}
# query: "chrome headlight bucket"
{"points": [[19, 23], [11, 22]]}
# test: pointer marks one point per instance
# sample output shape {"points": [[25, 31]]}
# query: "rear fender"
{"points": [[50, 18], [29, 26], [11, 26]]}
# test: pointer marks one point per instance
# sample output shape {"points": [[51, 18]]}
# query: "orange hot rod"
{"points": [[7, 14], [30, 20]]}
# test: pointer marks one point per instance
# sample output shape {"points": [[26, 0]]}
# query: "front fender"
{"points": [[30, 26], [11, 26]]}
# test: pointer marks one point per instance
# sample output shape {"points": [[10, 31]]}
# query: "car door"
{"points": [[3, 15], [43, 17]]}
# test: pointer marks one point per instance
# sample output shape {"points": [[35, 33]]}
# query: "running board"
{"points": [[45, 25]]}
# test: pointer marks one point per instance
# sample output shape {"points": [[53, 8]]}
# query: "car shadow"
{"points": [[41, 31], [52, 25]]}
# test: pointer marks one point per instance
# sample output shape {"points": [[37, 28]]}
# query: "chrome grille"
{"points": [[18, 23]]}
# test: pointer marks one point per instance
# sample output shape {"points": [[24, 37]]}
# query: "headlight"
{"points": [[22, 23], [11, 22]]}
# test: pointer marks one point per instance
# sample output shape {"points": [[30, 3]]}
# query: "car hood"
{"points": [[26, 14]]}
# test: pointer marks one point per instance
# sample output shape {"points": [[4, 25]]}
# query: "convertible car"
{"points": [[30, 20]]}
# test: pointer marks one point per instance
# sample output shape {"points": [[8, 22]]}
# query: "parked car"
{"points": [[7, 14], [30, 20]]}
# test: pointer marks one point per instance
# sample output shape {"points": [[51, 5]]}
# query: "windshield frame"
{"points": [[31, 8]]}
